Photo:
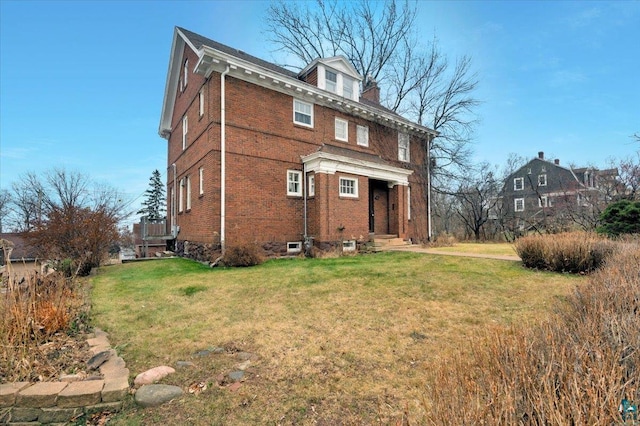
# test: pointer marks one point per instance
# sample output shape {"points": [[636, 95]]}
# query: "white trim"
{"points": [[311, 179], [322, 162], [408, 203], [201, 102], [294, 246], [185, 130], [188, 206], [404, 147], [515, 204], [345, 137], [349, 245], [304, 113], [540, 183], [354, 187], [297, 181], [362, 135], [181, 196], [201, 181], [515, 185]]}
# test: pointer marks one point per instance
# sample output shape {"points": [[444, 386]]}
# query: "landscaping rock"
{"points": [[235, 386], [236, 376], [153, 375], [184, 364], [244, 356], [243, 365], [154, 395], [98, 359]]}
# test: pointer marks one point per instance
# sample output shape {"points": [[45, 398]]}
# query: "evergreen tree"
{"points": [[154, 204]]}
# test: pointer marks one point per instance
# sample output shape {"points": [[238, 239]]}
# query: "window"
{"points": [[294, 247], [342, 130], [312, 185], [529, 171], [348, 187], [363, 135], [302, 113], [403, 147], [542, 180], [349, 245], [331, 81], [347, 87], [201, 102], [544, 201], [519, 204], [188, 193], [181, 196], [185, 72], [518, 184], [408, 203], [294, 183], [185, 129], [201, 180]]}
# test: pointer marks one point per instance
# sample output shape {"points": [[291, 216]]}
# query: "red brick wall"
{"points": [[262, 143]]}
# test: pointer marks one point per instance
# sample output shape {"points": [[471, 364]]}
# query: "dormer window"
{"points": [[331, 81], [347, 87]]}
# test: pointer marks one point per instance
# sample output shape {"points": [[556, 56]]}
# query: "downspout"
{"points": [[306, 193], [429, 233], [223, 165]]}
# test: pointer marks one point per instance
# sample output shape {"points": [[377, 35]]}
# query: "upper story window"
{"points": [[518, 184], [544, 201], [302, 113], [363, 136], [312, 185], [201, 102], [403, 147], [347, 87], [331, 81], [201, 180], [188, 193], [542, 180], [348, 187], [185, 75], [342, 130], [181, 196], [518, 204], [185, 129], [294, 183]]}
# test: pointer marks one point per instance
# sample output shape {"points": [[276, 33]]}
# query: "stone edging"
{"points": [[61, 402]]}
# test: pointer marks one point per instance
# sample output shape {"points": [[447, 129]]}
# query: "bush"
{"points": [[246, 255], [622, 217], [575, 368], [575, 252]]}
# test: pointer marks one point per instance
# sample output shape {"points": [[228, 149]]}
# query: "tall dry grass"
{"points": [[574, 368], [32, 310]]}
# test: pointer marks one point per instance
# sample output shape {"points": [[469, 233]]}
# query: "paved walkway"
{"points": [[429, 250]]}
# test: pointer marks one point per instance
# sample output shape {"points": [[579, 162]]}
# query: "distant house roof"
{"points": [[21, 250]]}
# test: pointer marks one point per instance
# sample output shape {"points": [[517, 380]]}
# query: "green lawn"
{"points": [[348, 340]]}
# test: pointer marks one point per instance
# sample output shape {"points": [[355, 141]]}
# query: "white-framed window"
{"points": [[518, 204], [347, 87], [403, 147], [342, 129], [544, 201], [188, 179], [518, 184], [543, 169], [302, 113], [363, 135], [185, 72], [201, 180], [201, 102], [181, 196], [349, 245], [185, 129], [312, 186], [294, 183], [294, 247], [542, 180], [529, 171], [331, 81], [408, 203], [348, 187]]}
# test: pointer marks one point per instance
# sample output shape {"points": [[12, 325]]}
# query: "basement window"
{"points": [[294, 247], [349, 245]]}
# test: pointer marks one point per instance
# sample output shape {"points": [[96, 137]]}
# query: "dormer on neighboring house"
{"points": [[335, 75]]}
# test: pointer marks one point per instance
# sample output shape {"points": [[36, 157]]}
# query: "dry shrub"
{"points": [[31, 311], [575, 252], [245, 255], [574, 368], [444, 239]]}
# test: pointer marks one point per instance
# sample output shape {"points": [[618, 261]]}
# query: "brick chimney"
{"points": [[371, 91], [541, 155], [556, 161]]}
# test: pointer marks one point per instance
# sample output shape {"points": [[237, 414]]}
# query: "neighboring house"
{"points": [[542, 194], [258, 154], [21, 256], [148, 239]]}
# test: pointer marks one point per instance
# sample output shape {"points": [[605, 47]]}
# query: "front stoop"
{"points": [[380, 243], [45, 403]]}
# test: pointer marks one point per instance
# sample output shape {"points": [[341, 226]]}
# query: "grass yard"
{"points": [[349, 340]]}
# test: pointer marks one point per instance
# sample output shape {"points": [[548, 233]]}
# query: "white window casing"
{"points": [[331, 81], [347, 87], [201, 180], [363, 135], [342, 130], [188, 207], [518, 184], [403, 147], [312, 185], [349, 245], [201, 102], [302, 113], [294, 183], [348, 187], [542, 180], [518, 204], [185, 130], [185, 74], [181, 196], [294, 246]]}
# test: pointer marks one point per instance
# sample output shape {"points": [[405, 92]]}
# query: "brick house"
{"points": [[260, 154], [542, 194]]}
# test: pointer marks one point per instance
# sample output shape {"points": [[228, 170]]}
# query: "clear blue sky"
{"points": [[82, 82]]}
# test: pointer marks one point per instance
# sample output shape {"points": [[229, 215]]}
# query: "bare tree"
{"points": [[380, 39], [477, 196], [5, 201]]}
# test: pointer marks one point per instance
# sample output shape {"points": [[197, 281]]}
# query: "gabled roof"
{"points": [[21, 250], [337, 63], [214, 56]]}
